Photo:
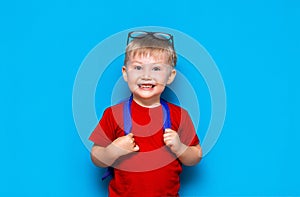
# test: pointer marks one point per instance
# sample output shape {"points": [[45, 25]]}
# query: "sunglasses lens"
{"points": [[138, 34], [162, 36]]}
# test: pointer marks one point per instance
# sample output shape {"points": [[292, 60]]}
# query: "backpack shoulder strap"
{"points": [[166, 113], [127, 129], [127, 115]]}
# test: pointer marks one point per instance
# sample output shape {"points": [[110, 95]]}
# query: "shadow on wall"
{"points": [[191, 176], [102, 186]]}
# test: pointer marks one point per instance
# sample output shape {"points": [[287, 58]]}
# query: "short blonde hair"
{"points": [[152, 46]]}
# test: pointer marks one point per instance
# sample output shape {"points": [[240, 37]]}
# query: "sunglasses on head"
{"points": [[158, 35]]}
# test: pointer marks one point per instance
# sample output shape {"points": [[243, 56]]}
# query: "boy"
{"points": [[133, 137]]}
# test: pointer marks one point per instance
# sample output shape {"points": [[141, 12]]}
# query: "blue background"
{"points": [[255, 44]]}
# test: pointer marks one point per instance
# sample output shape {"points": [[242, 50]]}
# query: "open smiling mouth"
{"points": [[146, 86]]}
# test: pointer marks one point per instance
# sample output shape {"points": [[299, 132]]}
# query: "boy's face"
{"points": [[147, 77]]}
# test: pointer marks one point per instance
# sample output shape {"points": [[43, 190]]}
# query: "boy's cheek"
{"points": [[131, 76], [163, 79]]}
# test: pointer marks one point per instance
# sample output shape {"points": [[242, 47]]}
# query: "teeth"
{"points": [[146, 86]]}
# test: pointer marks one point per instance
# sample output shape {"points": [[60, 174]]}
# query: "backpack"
{"points": [[128, 124]]}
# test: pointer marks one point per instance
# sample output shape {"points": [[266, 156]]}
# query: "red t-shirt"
{"points": [[153, 170]]}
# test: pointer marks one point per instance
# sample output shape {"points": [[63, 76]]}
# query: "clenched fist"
{"points": [[125, 145], [172, 140]]}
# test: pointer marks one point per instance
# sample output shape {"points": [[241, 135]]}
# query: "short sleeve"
{"points": [[103, 134], [186, 130]]}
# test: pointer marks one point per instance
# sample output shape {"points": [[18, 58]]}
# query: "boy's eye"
{"points": [[138, 67], [156, 68]]}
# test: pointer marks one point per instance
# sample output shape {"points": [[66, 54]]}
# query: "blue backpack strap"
{"points": [[166, 113], [127, 115], [127, 129], [128, 125], [109, 172]]}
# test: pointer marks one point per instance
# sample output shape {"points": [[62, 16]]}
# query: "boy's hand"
{"points": [[125, 145], [172, 140]]}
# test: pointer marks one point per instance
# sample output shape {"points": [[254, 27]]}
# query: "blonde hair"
{"points": [[151, 46]]}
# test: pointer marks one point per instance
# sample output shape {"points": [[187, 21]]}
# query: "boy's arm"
{"points": [[103, 156], [188, 155], [106, 156], [191, 155]]}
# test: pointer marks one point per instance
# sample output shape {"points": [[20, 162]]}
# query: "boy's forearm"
{"points": [[190, 155], [106, 156], [103, 156]]}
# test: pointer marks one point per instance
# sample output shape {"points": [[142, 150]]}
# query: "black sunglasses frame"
{"points": [[157, 35]]}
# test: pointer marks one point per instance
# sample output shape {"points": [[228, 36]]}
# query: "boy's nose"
{"points": [[146, 77], [146, 74]]}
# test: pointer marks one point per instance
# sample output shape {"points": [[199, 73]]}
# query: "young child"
{"points": [[133, 137]]}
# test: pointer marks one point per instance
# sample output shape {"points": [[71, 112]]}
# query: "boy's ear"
{"points": [[124, 73], [171, 77]]}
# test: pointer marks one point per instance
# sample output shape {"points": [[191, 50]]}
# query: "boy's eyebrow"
{"points": [[136, 61]]}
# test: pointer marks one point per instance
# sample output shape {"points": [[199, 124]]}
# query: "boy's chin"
{"points": [[146, 95]]}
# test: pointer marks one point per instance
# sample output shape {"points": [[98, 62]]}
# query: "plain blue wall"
{"points": [[255, 44]]}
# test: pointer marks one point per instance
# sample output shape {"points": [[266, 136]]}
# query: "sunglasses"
{"points": [[158, 35]]}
